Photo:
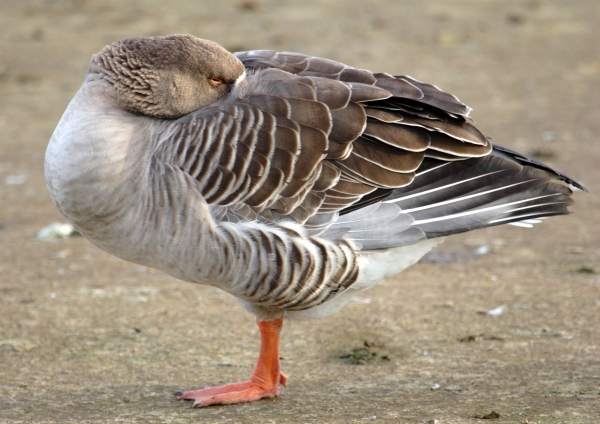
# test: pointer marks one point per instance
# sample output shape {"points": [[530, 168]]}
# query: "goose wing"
{"points": [[375, 159], [309, 136]]}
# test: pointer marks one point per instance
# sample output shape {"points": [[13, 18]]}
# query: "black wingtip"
{"points": [[518, 157]]}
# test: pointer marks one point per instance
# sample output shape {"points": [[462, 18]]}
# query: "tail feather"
{"points": [[453, 197]]}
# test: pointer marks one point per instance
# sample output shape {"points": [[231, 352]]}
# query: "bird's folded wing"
{"points": [[309, 136], [313, 141]]}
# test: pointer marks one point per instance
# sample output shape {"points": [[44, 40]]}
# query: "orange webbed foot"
{"points": [[264, 382], [246, 391]]}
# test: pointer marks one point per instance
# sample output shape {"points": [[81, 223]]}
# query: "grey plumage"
{"points": [[277, 176]]}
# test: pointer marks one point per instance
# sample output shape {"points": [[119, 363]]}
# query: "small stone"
{"points": [[15, 179], [56, 231], [482, 250], [496, 311]]}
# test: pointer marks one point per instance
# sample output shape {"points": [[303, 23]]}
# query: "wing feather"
{"points": [[308, 138]]}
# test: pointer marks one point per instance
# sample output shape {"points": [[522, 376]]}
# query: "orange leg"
{"points": [[263, 383]]}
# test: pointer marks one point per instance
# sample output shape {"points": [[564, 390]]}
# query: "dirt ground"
{"points": [[87, 338]]}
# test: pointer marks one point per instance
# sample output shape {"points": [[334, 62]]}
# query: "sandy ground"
{"points": [[85, 337]]}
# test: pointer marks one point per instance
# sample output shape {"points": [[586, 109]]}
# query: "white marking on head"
{"points": [[240, 80]]}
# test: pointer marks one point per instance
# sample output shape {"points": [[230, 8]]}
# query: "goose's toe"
{"points": [[246, 391]]}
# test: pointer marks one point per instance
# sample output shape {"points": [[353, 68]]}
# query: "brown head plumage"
{"points": [[167, 77]]}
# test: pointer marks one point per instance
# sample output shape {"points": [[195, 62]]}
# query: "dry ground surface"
{"points": [[87, 338]]}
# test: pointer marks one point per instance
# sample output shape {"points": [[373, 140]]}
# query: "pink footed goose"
{"points": [[292, 182]]}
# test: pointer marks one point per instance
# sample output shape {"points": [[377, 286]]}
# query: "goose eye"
{"points": [[216, 81]]}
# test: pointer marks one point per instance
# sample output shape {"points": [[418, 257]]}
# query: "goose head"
{"points": [[167, 77]]}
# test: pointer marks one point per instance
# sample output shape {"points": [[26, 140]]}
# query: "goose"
{"points": [[290, 181]]}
